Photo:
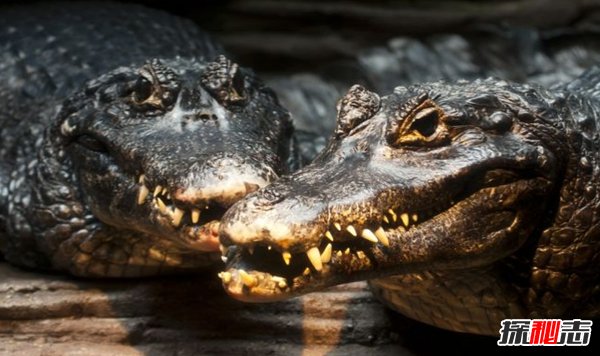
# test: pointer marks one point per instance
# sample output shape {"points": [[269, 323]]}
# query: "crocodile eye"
{"points": [[142, 90], [91, 143], [419, 122], [425, 123]]}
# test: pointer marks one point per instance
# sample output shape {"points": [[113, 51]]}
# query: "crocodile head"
{"points": [[431, 177], [157, 153]]}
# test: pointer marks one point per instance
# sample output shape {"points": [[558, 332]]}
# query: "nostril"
{"points": [[270, 197]]}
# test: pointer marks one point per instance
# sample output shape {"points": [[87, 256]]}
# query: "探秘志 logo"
{"points": [[545, 332]]}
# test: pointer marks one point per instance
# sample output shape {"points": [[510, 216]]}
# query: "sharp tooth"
{"points": [[169, 196], [385, 218], [247, 279], [351, 230], [347, 252], [329, 235], [415, 217], [142, 179], [176, 216], [165, 191], [223, 249], [326, 255], [315, 258], [369, 235], [306, 271], [157, 190], [195, 216], [161, 205], [225, 277], [338, 226], [382, 236], [224, 259], [405, 219], [142, 194], [393, 214], [251, 250], [286, 257], [338, 254]]}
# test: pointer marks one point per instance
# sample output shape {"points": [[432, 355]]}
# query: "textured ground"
{"points": [[53, 315]]}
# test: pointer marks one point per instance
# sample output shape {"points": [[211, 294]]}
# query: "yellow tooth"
{"points": [[142, 179], [338, 254], [157, 190], [338, 226], [247, 279], [223, 249], [306, 271], [281, 282], [326, 255], [225, 277], [251, 250], [404, 218], [142, 194], [415, 217], [393, 214], [351, 230], [347, 252], [161, 205], [165, 191], [369, 235], [385, 218], [382, 236], [315, 258], [329, 235], [176, 216], [286, 257], [195, 216]]}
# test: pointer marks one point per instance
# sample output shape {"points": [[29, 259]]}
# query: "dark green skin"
{"points": [[88, 109], [503, 178]]}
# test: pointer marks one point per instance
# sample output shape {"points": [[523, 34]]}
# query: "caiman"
{"points": [[462, 203], [126, 134]]}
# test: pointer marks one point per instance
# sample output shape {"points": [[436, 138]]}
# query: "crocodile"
{"points": [[462, 203], [126, 134]]}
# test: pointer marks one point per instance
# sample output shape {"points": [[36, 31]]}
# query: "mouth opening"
{"points": [[259, 271], [198, 224]]}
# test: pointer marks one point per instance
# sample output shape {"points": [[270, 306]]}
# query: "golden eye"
{"points": [[425, 122], [420, 121]]}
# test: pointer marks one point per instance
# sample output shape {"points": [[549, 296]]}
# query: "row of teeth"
{"points": [[318, 258], [250, 280], [176, 214]]}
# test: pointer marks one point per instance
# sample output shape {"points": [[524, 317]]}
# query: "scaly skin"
{"points": [[115, 163], [463, 204]]}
